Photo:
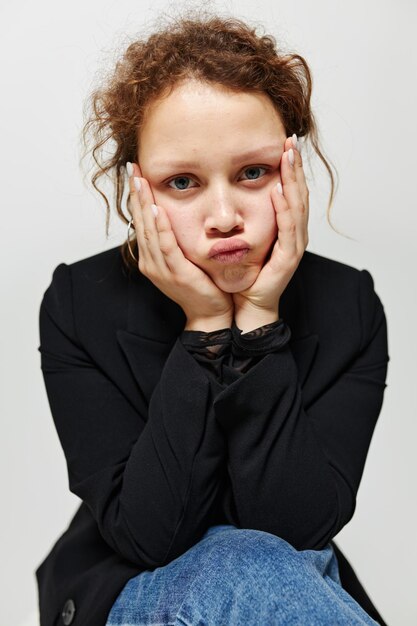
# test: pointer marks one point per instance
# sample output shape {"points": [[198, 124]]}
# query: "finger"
{"points": [[149, 244], [299, 171], [287, 225], [174, 258], [136, 213], [304, 192], [292, 193], [169, 257], [158, 238], [294, 143]]}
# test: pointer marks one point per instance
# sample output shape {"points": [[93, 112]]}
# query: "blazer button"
{"points": [[68, 612]]}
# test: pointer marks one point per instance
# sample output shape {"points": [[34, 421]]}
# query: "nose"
{"points": [[223, 214]]}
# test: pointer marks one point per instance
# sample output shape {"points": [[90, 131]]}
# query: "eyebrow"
{"points": [[266, 152]]}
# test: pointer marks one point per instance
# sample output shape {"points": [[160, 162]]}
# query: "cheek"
{"points": [[267, 224], [184, 230]]}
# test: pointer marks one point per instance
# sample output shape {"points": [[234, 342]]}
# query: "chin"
{"points": [[236, 278]]}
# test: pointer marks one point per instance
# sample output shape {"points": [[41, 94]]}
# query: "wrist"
{"points": [[249, 319], [208, 324]]}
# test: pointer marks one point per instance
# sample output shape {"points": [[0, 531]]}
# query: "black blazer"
{"points": [[157, 452]]}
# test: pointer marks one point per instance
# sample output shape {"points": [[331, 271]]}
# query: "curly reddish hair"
{"points": [[218, 50]]}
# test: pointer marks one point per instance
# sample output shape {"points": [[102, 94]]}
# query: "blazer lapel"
{"points": [[294, 308], [155, 321]]}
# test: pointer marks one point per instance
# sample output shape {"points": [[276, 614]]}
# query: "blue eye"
{"points": [[183, 184], [181, 178], [254, 167]]}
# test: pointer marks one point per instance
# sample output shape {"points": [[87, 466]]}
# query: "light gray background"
{"points": [[363, 61]]}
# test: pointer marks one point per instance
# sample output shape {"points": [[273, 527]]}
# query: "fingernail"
{"points": [[129, 169], [291, 156], [294, 141], [136, 182], [279, 187], [154, 209]]}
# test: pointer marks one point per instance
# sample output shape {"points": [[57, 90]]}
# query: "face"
{"points": [[192, 151]]}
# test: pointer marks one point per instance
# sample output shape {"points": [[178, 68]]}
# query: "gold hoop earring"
{"points": [[128, 240]]}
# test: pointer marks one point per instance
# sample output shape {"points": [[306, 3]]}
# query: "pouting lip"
{"points": [[228, 245]]}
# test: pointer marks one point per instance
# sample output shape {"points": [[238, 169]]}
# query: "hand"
{"points": [[292, 209], [163, 262]]}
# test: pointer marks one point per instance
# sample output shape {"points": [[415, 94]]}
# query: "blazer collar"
{"points": [[154, 322]]}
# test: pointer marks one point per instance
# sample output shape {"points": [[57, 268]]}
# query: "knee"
{"points": [[250, 551]]}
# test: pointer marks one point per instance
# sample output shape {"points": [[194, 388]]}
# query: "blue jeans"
{"points": [[240, 577]]}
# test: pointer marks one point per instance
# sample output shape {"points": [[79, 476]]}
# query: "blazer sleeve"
{"points": [[149, 480], [294, 472], [226, 354]]}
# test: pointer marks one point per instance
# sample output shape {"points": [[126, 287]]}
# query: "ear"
{"points": [[140, 171]]}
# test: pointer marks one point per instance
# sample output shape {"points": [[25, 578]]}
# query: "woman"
{"points": [[214, 385]]}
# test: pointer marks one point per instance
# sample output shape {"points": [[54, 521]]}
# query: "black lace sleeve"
{"points": [[227, 354], [212, 350]]}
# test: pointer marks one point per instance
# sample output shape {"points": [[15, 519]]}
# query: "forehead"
{"points": [[198, 117]]}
